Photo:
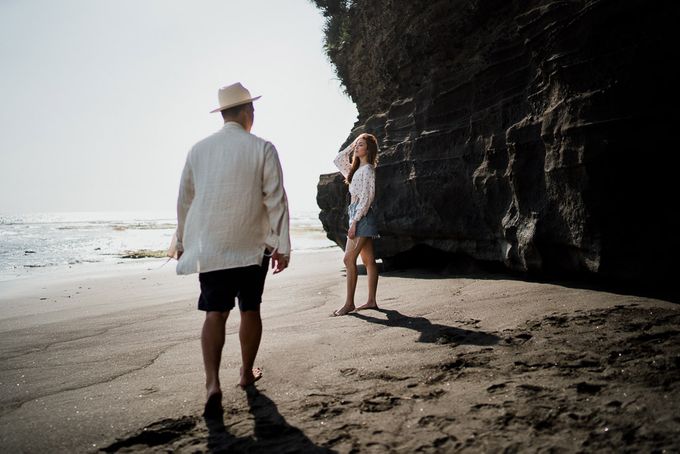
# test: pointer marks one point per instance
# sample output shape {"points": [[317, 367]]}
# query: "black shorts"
{"points": [[220, 288]]}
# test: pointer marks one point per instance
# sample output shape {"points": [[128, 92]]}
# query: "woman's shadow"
{"points": [[271, 432], [429, 332]]}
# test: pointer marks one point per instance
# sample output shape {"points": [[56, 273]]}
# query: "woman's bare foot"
{"points": [[369, 305], [250, 377], [344, 310]]}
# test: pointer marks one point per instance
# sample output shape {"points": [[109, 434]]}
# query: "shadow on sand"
{"points": [[271, 432], [429, 332]]}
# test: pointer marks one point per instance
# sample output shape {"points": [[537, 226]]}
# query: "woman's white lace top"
{"points": [[362, 187]]}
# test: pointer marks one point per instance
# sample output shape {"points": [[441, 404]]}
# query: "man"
{"points": [[232, 218]]}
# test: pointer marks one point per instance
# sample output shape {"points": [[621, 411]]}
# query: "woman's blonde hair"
{"points": [[372, 150]]}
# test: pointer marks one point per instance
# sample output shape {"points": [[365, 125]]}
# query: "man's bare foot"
{"points": [[213, 405], [249, 378], [212, 389], [344, 310], [367, 306]]}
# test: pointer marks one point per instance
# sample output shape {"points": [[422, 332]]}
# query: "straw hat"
{"points": [[232, 96]]}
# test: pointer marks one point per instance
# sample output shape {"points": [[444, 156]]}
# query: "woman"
{"points": [[357, 164]]}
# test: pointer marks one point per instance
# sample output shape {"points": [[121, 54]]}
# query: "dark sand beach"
{"points": [[111, 361]]}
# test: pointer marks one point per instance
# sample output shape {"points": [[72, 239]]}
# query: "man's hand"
{"points": [[279, 262], [351, 233]]}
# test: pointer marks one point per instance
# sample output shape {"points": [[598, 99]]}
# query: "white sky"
{"points": [[100, 100]]}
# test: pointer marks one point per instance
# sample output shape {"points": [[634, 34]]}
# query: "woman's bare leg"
{"points": [[352, 251], [368, 258]]}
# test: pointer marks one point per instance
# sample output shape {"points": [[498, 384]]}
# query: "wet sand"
{"points": [[111, 361]]}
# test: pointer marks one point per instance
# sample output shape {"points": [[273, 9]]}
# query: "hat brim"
{"points": [[229, 106]]}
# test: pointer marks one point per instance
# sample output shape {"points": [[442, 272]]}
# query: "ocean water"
{"points": [[35, 242]]}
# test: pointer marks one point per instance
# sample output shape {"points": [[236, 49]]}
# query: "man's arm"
{"points": [[184, 199], [276, 204]]}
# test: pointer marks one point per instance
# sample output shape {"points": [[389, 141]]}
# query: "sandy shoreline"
{"points": [[449, 364]]}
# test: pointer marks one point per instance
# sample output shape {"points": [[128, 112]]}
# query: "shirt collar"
{"points": [[232, 124]]}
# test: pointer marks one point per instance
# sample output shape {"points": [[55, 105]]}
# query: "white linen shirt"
{"points": [[231, 203], [362, 186]]}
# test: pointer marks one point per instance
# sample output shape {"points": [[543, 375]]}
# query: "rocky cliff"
{"points": [[535, 135]]}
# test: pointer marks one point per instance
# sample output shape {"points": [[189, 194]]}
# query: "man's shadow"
{"points": [[271, 433], [429, 332]]}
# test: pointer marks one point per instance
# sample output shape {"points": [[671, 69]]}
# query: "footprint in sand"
{"points": [[379, 402], [382, 376], [526, 388], [349, 371], [466, 360], [518, 339], [149, 390], [440, 422], [342, 435], [434, 394], [498, 387], [328, 410], [484, 406]]}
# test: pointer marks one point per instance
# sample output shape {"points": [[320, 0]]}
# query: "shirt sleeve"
{"points": [[366, 192], [342, 161], [186, 196], [276, 203]]}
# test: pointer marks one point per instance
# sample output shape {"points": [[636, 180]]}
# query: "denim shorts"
{"points": [[367, 225]]}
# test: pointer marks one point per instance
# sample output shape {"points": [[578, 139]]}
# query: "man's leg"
{"points": [[249, 334], [212, 341]]}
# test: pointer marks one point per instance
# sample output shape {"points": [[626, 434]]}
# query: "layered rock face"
{"points": [[536, 135]]}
